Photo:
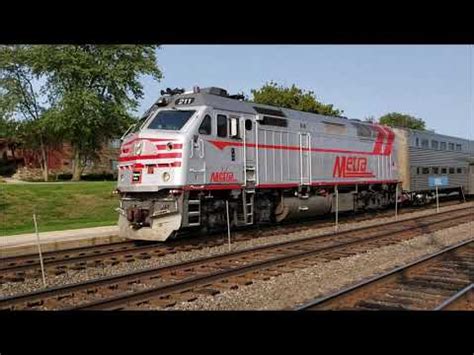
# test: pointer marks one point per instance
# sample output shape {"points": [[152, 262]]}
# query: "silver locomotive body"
{"points": [[194, 152]]}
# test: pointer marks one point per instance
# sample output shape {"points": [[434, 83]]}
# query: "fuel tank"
{"points": [[293, 207]]}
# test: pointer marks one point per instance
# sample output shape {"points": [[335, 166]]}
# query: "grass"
{"points": [[58, 206]]}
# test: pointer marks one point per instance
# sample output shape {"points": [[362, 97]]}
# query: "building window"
{"points": [[434, 144], [115, 143], [451, 146], [425, 171], [424, 143], [458, 147], [113, 164], [206, 125], [451, 170], [459, 170], [443, 145], [221, 126], [435, 171], [444, 171]]}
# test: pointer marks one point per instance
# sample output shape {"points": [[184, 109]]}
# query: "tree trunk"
{"points": [[44, 158], [76, 168], [12, 149]]}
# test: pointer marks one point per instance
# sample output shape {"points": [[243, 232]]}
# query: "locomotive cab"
{"points": [[151, 167]]}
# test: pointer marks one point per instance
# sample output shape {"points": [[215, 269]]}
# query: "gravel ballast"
{"points": [[74, 276], [290, 289]]}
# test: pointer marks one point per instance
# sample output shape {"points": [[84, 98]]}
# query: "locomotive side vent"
{"points": [[269, 111], [274, 121]]}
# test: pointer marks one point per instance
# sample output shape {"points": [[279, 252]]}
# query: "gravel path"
{"points": [[74, 276], [288, 290]]}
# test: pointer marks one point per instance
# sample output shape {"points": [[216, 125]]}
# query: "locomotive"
{"points": [[194, 153]]}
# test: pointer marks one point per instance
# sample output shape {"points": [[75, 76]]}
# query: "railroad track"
{"points": [[21, 268], [442, 281], [166, 285], [463, 300]]}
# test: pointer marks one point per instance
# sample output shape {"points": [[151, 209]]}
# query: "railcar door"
{"points": [[305, 158], [224, 157], [250, 151]]}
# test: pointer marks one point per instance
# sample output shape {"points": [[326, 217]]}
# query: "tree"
{"points": [[90, 91], [395, 119], [20, 107], [8, 132], [94, 88], [7, 126], [292, 97]]}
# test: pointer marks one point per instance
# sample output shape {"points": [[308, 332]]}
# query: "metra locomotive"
{"points": [[193, 151]]}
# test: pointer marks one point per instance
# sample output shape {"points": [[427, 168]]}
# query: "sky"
{"points": [[429, 82]]}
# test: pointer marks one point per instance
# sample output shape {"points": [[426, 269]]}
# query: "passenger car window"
{"points": [[434, 144], [425, 170], [221, 126], [451, 170], [206, 125], [459, 170], [424, 143], [444, 170], [443, 145], [451, 146], [435, 170], [458, 147]]}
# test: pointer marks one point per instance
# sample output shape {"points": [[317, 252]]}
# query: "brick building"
{"points": [[60, 160]]}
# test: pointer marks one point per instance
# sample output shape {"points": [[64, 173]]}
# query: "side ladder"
{"points": [[245, 217]]}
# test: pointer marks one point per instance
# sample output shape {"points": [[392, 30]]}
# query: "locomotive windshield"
{"points": [[171, 120]]}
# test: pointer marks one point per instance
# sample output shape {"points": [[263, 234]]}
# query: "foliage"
{"points": [[94, 87], [20, 107], [8, 126], [395, 119], [292, 97], [89, 91]]}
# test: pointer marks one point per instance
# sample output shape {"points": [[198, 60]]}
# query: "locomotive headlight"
{"points": [[137, 149], [166, 176]]}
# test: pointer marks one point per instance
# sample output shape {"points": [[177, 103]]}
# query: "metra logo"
{"points": [[223, 176], [351, 167]]}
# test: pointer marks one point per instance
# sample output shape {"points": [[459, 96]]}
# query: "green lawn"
{"points": [[58, 206]]}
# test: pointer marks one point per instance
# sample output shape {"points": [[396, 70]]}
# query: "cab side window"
{"points": [[234, 127], [221, 126], [206, 125]]}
